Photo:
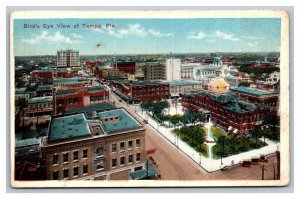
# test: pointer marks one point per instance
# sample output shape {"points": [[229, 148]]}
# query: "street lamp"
{"points": [[200, 159]]}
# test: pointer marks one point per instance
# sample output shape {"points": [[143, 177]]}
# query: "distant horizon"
{"points": [[152, 54], [146, 36]]}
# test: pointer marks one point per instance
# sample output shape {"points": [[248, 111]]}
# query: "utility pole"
{"points": [[263, 172]]}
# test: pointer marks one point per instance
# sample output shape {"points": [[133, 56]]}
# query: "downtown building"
{"points": [[238, 109], [67, 58], [78, 97], [141, 91], [107, 145]]}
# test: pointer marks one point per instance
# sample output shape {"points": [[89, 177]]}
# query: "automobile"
{"points": [[262, 158], [145, 121], [223, 168], [245, 163], [255, 160]]}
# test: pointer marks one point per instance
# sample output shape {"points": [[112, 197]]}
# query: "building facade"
{"points": [[143, 91], [232, 108], [178, 87], [76, 98], [67, 58], [154, 71], [108, 147], [173, 69]]}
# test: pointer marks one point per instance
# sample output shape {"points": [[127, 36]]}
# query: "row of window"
{"points": [[66, 172], [66, 156], [122, 160], [122, 145], [40, 105]]}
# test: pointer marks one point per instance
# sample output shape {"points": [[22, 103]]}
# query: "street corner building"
{"points": [[238, 109], [107, 145]]}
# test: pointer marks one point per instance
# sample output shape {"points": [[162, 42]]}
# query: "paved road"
{"points": [[175, 165]]}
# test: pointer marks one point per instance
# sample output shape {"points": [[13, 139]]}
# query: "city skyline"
{"points": [[146, 36]]}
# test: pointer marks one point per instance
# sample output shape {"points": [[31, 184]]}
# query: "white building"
{"points": [[178, 87], [173, 69], [67, 58], [187, 70]]}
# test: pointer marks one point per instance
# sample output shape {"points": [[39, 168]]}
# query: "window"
{"points": [[75, 171], [130, 144], [114, 162], [99, 151], [122, 160], [85, 169], [122, 145], [100, 165], [55, 159], [114, 147], [75, 155], [84, 153], [66, 173], [137, 142], [138, 157], [55, 175], [130, 158], [65, 157]]}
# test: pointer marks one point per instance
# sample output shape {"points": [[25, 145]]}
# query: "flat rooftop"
{"points": [[40, 99], [68, 127], [251, 91], [88, 110], [183, 82], [125, 122], [66, 80]]}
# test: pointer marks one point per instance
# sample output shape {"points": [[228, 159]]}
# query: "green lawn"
{"points": [[185, 136], [232, 144]]}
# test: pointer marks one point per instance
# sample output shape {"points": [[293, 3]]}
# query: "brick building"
{"points": [[126, 67], [110, 145], [239, 108], [78, 97], [143, 91]]}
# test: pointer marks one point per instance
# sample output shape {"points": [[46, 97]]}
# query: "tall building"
{"points": [[67, 58], [173, 69], [106, 145], [154, 71]]}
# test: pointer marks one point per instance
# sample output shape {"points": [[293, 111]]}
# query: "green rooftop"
{"points": [[88, 110], [27, 142], [65, 92], [183, 82], [44, 88], [68, 127], [251, 91], [67, 80], [94, 88], [40, 99], [125, 121]]}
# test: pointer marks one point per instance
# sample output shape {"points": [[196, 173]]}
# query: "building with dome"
{"points": [[238, 109], [218, 86]]}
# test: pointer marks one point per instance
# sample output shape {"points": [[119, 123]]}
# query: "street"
{"points": [[173, 164]]}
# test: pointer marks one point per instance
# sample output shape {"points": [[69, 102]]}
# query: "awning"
{"points": [[235, 131], [230, 128]]}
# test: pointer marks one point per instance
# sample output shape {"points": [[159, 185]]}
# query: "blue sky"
{"points": [[147, 36]]}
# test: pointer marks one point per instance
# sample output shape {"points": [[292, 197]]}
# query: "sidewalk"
{"points": [[208, 164]]}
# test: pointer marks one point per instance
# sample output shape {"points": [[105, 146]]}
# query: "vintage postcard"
{"points": [[149, 98]]}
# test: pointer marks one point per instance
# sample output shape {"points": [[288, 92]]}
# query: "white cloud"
{"points": [[252, 37], [226, 36], [159, 34], [253, 44], [56, 37], [199, 35], [137, 30]]}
